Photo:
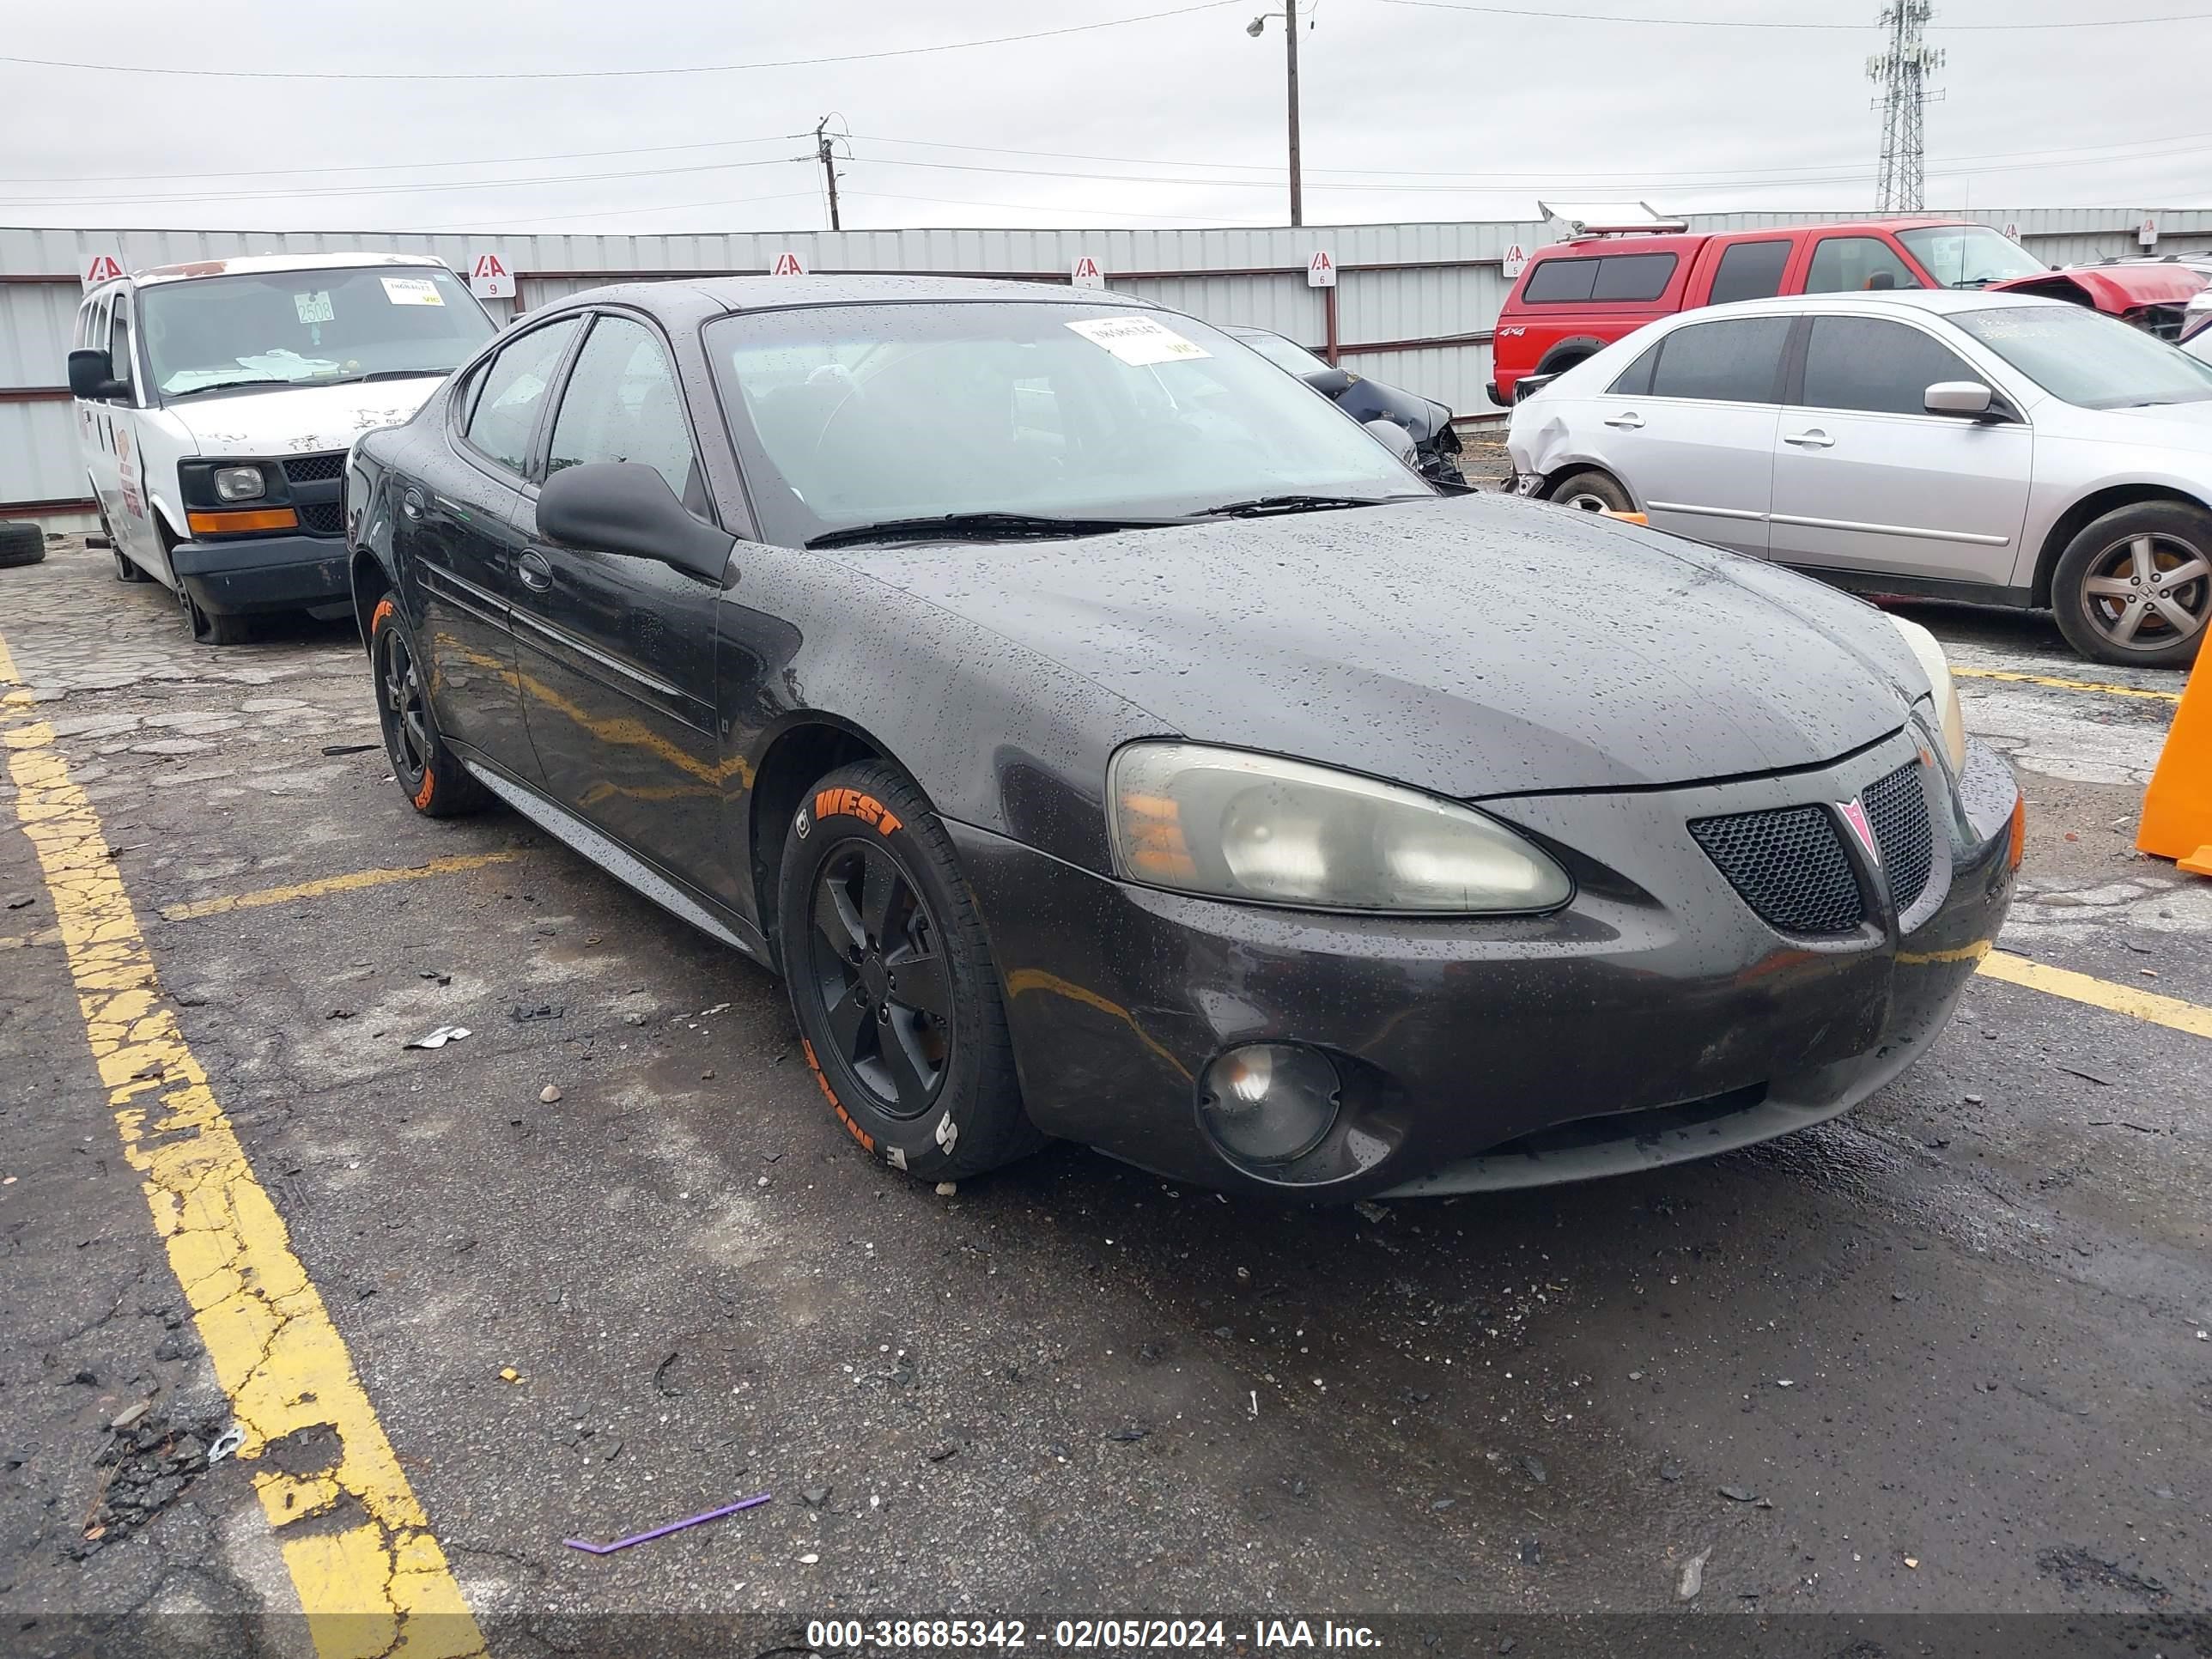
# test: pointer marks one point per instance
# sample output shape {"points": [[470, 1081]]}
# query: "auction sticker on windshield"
{"points": [[412, 291], [1139, 341], [314, 308]]}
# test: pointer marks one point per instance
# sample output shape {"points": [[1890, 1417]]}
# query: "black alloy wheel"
{"points": [[876, 965], [434, 781], [899, 1007]]}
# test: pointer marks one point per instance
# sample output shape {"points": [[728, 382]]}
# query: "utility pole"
{"points": [[1256, 28], [1290, 50], [824, 153], [1902, 69]]}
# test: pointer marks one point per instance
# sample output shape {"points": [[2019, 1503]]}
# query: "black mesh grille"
{"points": [[314, 468], [1897, 811], [323, 518], [1789, 867]]}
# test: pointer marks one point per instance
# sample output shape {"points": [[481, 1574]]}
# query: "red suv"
{"points": [[1579, 296]]}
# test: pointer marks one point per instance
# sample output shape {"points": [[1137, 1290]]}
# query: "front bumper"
{"points": [[263, 573], [1654, 1018]]}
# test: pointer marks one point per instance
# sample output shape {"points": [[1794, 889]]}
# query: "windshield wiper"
{"points": [[227, 386], [1259, 504], [980, 527]]}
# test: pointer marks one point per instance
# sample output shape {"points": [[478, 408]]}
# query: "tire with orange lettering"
{"points": [[425, 770], [891, 981]]}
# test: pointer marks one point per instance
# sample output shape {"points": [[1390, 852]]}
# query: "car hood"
{"points": [[297, 420], [2114, 290], [2185, 427], [1472, 647]]}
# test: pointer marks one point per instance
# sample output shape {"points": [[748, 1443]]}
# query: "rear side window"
{"points": [[510, 390], [1848, 263], [1751, 270], [1737, 361], [1884, 367], [1612, 277], [1635, 380]]}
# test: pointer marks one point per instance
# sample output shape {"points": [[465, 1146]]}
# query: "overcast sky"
{"points": [[1411, 112]]}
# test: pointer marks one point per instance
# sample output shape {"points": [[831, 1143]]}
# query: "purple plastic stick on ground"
{"points": [[663, 1531]]}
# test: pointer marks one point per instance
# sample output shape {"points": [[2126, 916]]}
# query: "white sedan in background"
{"points": [[1957, 445]]}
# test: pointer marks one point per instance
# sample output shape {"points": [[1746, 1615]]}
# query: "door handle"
{"points": [[1815, 439], [536, 574], [1630, 419]]}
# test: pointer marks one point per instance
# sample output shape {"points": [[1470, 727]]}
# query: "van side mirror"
{"points": [[92, 375], [626, 506], [1958, 397]]}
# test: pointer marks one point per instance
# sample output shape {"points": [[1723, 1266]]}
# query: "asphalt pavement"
{"points": [[607, 1262]]}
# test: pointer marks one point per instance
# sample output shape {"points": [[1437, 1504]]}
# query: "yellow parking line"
{"points": [[370, 1575], [2099, 993], [1958, 672], [308, 890]]}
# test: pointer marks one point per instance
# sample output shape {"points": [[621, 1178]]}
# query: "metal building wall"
{"points": [[1415, 303]]}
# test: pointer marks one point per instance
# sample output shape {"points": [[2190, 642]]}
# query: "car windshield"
{"points": [[1968, 256], [307, 327], [855, 414], [2088, 358], [1281, 352]]}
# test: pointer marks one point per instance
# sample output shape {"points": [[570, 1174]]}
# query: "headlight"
{"points": [[1937, 668], [239, 483], [1238, 826]]}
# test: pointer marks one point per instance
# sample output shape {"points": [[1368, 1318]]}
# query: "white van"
{"points": [[215, 402]]}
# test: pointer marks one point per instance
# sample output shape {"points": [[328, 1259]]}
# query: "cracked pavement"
{"points": [[1948, 1343]]}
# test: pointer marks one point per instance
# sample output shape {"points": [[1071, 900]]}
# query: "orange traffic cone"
{"points": [[2177, 815]]}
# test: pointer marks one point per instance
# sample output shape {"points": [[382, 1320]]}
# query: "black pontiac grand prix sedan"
{"points": [[1107, 738]]}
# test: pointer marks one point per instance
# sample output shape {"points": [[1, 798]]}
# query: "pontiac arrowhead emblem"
{"points": [[1854, 813]]}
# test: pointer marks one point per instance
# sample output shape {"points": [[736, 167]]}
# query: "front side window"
{"points": [[2087, 358], [1751, 270], [622, 404], [118, 346], [1968, 256], [1851, 264], [1882, 368], [847, 416], [308, 327], [509, 390], [1738, 360]]}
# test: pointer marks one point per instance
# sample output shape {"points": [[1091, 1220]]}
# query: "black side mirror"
{"points": [[1330, 382], [92, 375], [626, 506]]}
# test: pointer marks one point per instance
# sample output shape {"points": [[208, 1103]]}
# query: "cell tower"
{"points": [[1902, 69]]}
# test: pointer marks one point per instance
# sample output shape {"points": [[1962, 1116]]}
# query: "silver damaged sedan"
{"points": [[1954, 444]]}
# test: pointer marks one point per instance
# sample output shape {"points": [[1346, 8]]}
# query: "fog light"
{"points": [[239, 483], [1269, 1102]]}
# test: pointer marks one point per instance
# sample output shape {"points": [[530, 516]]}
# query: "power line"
{"points": [[608, 74], [1754, 23], [403, 167], [1057, 207], [412, 188]]}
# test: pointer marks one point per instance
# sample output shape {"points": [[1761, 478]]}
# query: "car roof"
{"points": [[1676, 241], [250, 264], [698, 297], [1942, 302]]}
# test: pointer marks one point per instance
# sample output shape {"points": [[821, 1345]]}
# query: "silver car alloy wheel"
{"points": [[2148, 590]]}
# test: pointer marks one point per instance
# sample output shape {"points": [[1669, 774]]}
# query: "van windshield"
{"points": [[308, 327]]}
